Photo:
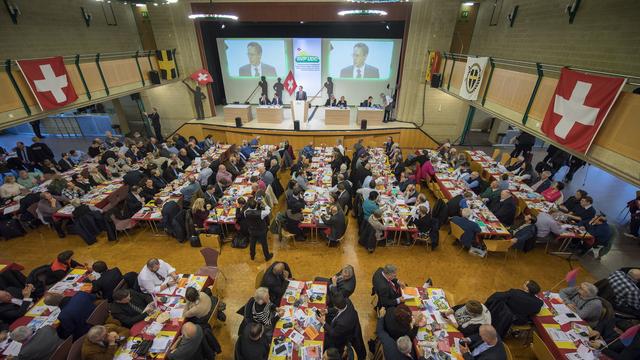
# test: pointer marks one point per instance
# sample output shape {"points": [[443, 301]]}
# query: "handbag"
{"points": [[194, 240]]}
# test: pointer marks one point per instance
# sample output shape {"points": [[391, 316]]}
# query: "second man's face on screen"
{"points": [[254, 55]]}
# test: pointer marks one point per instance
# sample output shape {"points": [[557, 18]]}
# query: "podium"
{"points": [[299, 110]]}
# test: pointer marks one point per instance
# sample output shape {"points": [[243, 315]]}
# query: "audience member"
{"points": [[74, 312], [156, 276], [276, 279], [130, 307], [583, 299], [36, 345], [387, 286], [102, 341]]}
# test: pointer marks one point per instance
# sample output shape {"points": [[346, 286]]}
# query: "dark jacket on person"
{"points": [[107, 282], [505, 210], [189, 349], [495, 352], [126, 314], [65, 165], [41, 345], [389, 345], [276, 284], [453, 206], [40, 151], [171, 173], [395, 329], [339, 328], [471, 230], [337, 224], [10, 312], [388, 291], [248, 349], [345, 287], [74, 314]]}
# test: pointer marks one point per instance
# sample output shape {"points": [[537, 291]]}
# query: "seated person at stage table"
{"points": [[263, 100], [469, 316], [514, 306], [543, 183], [471, 228], [360, 69], [584, 301], [14, 303], [35, 345], [253, 343], [525, 234], [276, 100], [368, 102], [156, 276], [11, 188], [330, 101], [102, 342], [75, 310], [505, 209], [259, 309], [484, 346], [342, 103], [276, 279], [62, 265], [129, 306], [583, 213], [104, 280], [387, 286]]}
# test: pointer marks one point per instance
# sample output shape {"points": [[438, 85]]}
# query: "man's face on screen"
{"points": [[254, 55], [359, 57]]}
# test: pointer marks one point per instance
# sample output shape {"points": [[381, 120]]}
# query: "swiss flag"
{"points": [[49, 82], [290, 83], [202, 77], [578, 108]]}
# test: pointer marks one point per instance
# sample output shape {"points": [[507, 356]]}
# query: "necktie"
{"points": [[135, 308], [358, 74], [160, 277], [25, 156], [256, 73]]}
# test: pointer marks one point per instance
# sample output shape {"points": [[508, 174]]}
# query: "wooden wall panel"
{"points": [[621, 128], [120, 72], [9, 101], [92, 76], [543, 97], [457, 76], [511, 89]]}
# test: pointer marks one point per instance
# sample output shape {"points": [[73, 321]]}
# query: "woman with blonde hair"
{"points": [[199, 213]]}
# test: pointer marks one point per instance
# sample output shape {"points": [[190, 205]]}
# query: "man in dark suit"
{"points": [[339, 323], [255, 67], [387, 287], [108, 280], [25, 155], [337, 223], [14, 303], [276, 279], [75, 310], [253, 344], [344, 282], [130, 306], [400, 349], [154, 118], [171, 172], [152, 146], [188, 345], [367, 103], [505, 209], [523, 302], [485, 346], [65, 163], [300, 94], [276, 100], [342, 103], [264, 100], [38, 345], [360, 69], [471, 228], [331, 101]]}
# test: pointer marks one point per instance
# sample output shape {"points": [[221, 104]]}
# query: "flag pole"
{"points": [[556, 285]]}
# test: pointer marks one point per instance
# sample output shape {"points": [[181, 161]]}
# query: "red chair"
{"points": [[62, 351], [211, 268], [76, 349], [100, 314]]}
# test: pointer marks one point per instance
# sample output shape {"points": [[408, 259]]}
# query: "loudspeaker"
{"points": [[238, 122], [363, 124], [154, 77], [436, 80], [296, 125]]}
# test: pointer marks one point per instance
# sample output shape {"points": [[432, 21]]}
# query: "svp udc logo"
{"points": [[304, 57]]}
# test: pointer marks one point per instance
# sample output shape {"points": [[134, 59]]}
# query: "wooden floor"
{"points": [[465, 276]]}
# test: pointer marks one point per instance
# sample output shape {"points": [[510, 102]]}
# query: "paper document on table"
{"points": [[13, 349], [160, 344], [563, 319], [562, 309], [557, 335], [123, 356], [176, 313], [154, 328], [410, 293]]}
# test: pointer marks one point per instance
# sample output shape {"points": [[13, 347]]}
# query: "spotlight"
{"points": [[223, 26], [387, 27], [301, 22], [468, 3]]}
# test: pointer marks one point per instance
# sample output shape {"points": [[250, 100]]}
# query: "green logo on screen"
{"points": [[304, 57]]}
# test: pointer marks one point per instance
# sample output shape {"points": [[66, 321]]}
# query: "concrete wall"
{"points": [[431, 28], [56, 27], [604, 35]]}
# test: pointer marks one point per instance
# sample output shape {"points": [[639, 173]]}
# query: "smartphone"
{"points": [[280, 349]]}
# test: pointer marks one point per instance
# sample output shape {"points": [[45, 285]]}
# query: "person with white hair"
{"points": [[38, 345], [484, 346], [259, 309], [102, 341], [584, 301], [265, 176]]}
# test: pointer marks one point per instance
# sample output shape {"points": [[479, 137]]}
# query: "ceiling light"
{"points": [[214, 16], [223, 26], [468, 3], [141, 5], [362, 12]]}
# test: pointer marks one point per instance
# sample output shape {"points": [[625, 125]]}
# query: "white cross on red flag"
{"points": [[290, 83], [49, 82], [202, 77], [578, 108]]}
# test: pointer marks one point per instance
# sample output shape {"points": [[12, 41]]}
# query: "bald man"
{"points": [[188, 345], [484, 346], [276, 279]]}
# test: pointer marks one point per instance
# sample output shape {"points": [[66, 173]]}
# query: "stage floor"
{"points": [[315, 124]]}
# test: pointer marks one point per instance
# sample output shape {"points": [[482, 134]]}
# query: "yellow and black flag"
{"points": [[167, 64]]}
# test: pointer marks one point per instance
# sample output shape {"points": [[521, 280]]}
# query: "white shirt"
{"points": [[341, 148], [387, 100], [256, 69], [355, 71], [149, 282]]}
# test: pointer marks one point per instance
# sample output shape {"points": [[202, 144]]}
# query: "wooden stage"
{"points": [[407, 134]]}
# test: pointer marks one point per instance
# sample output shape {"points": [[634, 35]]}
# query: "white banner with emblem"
{"points": [[473, 73]]}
